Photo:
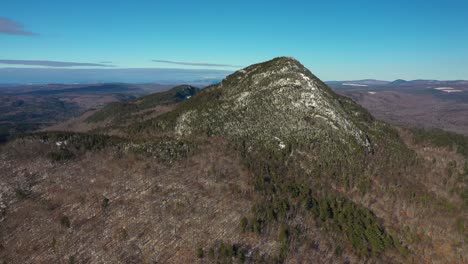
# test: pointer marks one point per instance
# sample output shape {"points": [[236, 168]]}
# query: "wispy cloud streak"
{"points": [[48, 63], [10, 27], [203, 64]]}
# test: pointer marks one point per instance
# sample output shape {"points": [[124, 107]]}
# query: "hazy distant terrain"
{"points": [[131, 75], [30, 107], [420, 103]]}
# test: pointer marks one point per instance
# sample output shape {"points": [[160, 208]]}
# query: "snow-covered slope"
{"points": [[275, 101]]}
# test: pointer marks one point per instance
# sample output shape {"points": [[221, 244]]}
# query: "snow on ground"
{"points": [[281, 144], [452, 91], [371, 92], [443, 88], [354, 84], [448, 90]]}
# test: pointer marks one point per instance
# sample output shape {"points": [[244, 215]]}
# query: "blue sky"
{"points": [[337, 40]]}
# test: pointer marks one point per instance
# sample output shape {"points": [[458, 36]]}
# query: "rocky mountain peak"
{"points": [[277, 100], [185, 91]]}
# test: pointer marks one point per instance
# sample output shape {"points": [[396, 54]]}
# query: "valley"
{"points": [[32, 107], [413, 104]]}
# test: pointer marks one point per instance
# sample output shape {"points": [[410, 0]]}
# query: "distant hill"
{"points": [[102, 88], [366, 82], [397, 84], [142, 107]]}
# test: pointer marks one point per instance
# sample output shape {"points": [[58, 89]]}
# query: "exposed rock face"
{"points": [[272, 101], [185, 92]]}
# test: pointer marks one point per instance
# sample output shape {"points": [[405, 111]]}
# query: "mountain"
{"points": [[399, 82], [264, 102], [268, 166]]}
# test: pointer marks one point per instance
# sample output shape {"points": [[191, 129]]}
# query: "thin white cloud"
{"points": [[48, 63], [204, 64]]}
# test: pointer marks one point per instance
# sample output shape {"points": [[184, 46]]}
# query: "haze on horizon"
{"points": [[49, 41]]}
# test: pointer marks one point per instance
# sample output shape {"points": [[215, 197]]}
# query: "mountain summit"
{"points": [[272, 102]]}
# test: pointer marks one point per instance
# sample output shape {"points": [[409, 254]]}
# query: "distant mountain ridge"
{"points": [[362, 82], [397, 83], [138, 108]]}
